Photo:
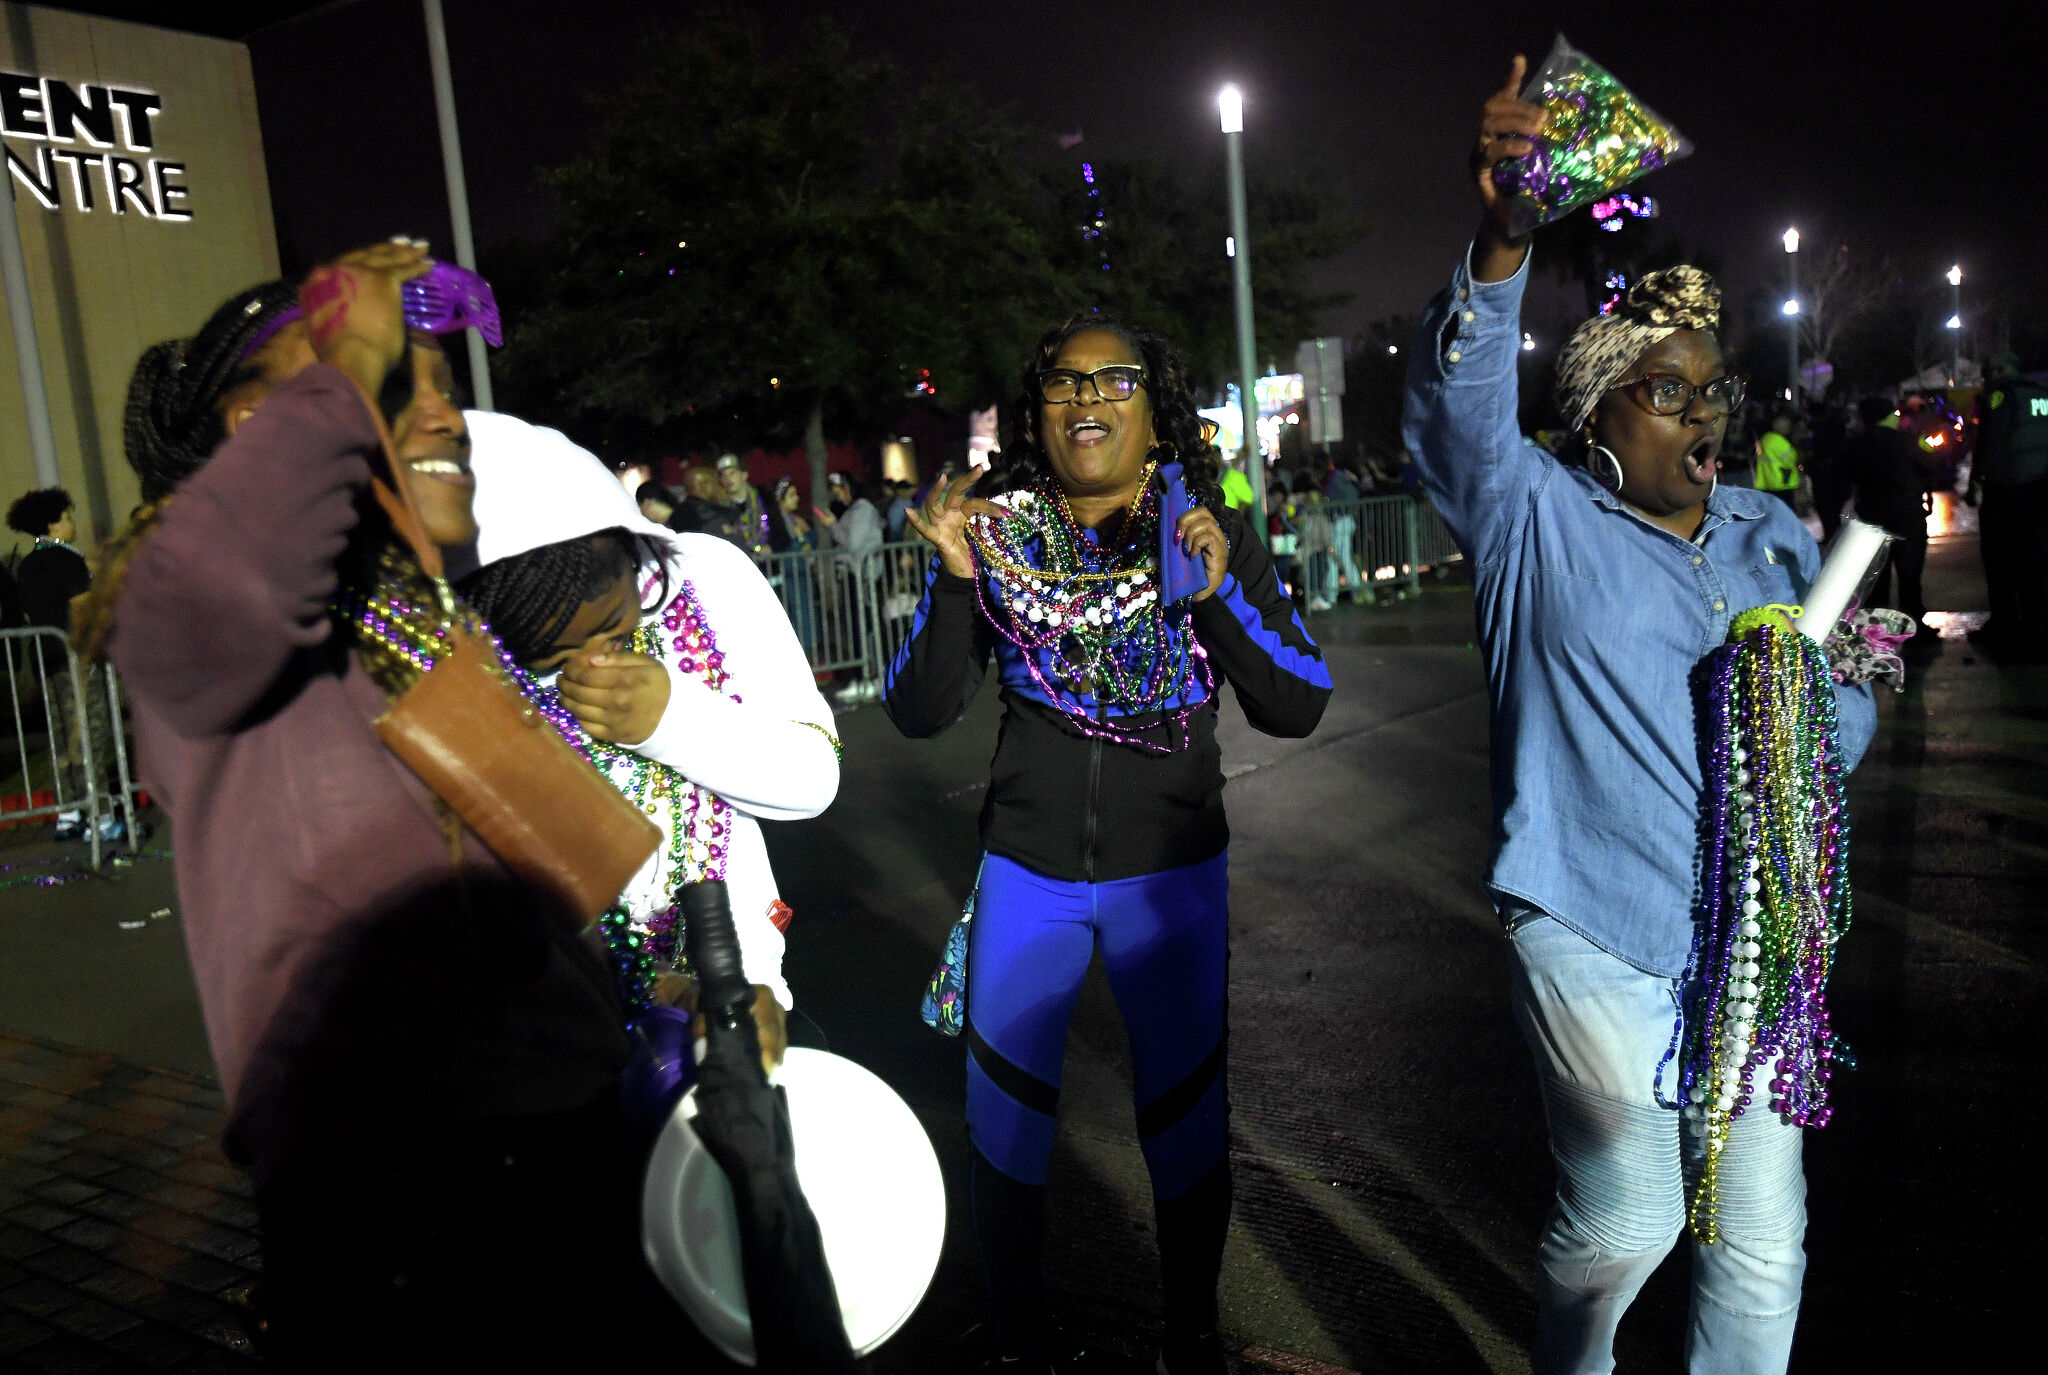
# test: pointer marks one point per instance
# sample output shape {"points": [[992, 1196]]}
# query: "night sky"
{"points": [[1901, 137]]}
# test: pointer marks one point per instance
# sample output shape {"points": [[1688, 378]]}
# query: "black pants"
{"points": [[512, 1239], [1905, 557], [2014, 527]]}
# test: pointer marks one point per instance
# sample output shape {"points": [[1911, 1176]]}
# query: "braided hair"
{"points": [[529, 599], [173, 421], [1175, 419], [171, 427]]}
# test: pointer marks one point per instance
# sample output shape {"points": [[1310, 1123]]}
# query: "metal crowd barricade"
{"points": [[1394, 539], [895, 575], [39, 697], [826, 603], [847, 612]]}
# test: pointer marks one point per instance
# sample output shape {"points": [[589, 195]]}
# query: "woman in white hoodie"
{"points": [[675, 668]]}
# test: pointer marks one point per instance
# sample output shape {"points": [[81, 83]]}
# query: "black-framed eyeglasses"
{"points": [[1666, 393], [1117, 382]]}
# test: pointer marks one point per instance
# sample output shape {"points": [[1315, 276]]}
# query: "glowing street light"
{"points": [[1791, 309], [1230, 104], [1528, 342], [1955, 323], [1230, 101]]}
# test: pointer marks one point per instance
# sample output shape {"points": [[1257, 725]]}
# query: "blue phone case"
{"points": [[1181, 574]]}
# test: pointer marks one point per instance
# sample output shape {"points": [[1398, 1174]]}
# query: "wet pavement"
{"points": [[1388, 1140]]}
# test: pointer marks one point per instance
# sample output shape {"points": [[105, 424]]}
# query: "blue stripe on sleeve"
{"points": [[924, 611], [1309, 668]]}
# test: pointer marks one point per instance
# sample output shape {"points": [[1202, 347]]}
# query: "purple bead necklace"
{"points": [[1774, 897]]}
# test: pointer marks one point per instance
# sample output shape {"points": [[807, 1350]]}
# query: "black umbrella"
{"points": [[744, 1123]]}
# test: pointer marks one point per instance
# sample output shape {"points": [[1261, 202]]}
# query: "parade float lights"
{"points": [[1612, 213], [1616, 282]]}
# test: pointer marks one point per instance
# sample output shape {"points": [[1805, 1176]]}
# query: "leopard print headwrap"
{"points": [[1601, 351]]}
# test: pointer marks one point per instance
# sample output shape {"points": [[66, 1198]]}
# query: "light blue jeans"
{"points": [[1342, 530], [1598, 1028]]}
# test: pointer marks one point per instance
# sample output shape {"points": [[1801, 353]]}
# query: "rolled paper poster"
{"points": [[1851, 557], [1597, 138]]}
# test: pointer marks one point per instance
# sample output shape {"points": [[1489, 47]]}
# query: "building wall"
{"points": [[106, 285]]}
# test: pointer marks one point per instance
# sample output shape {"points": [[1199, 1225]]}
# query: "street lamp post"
{"points": [[458, 189], [1792, 313], [1230, 103], [28, 353], [1955, 326]]}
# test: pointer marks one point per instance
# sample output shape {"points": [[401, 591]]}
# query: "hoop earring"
{"points": [[1604, 467]]}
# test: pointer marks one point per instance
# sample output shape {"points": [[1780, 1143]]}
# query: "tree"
{"points": [[1376, 384], [1839, 292], [775, 238], [780, 241], [1168, 272]]}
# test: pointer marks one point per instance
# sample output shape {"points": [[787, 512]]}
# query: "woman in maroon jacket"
{"points": [[421, 1066]]}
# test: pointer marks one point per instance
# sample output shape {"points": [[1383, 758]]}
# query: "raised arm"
{"points": [[235, 578], [1255, 639], [1460, 416], [237, 574]]}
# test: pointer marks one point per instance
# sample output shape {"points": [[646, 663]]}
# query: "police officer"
{"points": [[2010, 478]]}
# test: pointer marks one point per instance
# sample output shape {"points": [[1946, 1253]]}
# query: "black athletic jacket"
{"points": [[1073, 807]]}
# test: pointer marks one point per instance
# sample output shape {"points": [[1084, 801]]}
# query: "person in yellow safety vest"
{"points": [[1777, 461], [1237, 488]]}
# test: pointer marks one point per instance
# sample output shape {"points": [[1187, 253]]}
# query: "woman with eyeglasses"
{"points": [[1103, 826], [1602, 581]]}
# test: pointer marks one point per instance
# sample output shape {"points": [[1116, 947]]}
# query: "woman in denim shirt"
{"points": [[1601, 582]]}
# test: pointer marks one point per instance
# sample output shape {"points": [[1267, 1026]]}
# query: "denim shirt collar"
{"points": [[1724, 504]]}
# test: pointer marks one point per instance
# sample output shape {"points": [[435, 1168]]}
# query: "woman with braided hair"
{"points": [[1602, 581], [1104, 823], [421, 1062]]}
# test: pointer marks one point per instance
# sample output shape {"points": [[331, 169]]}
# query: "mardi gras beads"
{"points": [[1088, 617], [699, 823], [1774, 896], [1596, 138]]}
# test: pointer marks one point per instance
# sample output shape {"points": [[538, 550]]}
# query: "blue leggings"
{"points": [[1165, 940]]}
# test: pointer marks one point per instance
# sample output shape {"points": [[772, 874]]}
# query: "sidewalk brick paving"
{"points": [[126, 1240]]}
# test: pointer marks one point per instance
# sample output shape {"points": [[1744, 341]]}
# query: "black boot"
{"points": [[1192, 1227], [1009, 1224]]}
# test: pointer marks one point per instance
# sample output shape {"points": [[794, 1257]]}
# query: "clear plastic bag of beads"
{"points": [[1598, 138]]}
